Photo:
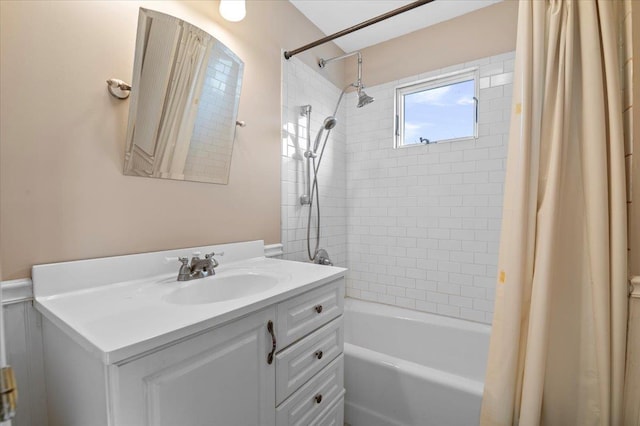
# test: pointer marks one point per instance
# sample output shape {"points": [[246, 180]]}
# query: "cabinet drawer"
{"points": [[313, 400], [333, 416], [300, 315], [298, 363]]}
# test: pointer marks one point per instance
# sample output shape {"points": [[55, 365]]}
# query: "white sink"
{"points": [[220, 288]]}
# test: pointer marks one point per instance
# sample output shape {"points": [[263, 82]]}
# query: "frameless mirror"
{"points": [[184, 102]]}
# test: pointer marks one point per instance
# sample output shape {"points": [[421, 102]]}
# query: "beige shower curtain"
{"points": [[181, 105], [558, 341]]}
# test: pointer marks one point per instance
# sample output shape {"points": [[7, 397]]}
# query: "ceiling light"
{"points": [[233, 10]]}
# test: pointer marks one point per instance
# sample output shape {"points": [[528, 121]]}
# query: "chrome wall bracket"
{"points": [[304, 199], [118, 88]]}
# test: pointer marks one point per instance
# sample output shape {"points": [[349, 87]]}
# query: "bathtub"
{"points": [[408, 368]]}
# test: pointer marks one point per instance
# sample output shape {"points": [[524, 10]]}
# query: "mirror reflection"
{"points": [[184, 102]]}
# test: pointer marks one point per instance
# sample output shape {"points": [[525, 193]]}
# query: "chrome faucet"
{"points": [[198, 268]]}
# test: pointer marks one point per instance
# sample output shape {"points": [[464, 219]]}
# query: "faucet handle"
{"points": [[185, 269], [213, 259], [172, 259]]}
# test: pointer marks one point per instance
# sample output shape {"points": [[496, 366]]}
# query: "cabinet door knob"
{"points": [[318, 354], [318, 308], [318, 398]]}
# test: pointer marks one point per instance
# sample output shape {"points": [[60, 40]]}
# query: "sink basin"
{"points": [[221, 288]]}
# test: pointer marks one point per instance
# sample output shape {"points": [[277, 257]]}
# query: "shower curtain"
{"points": [[557, 347]]}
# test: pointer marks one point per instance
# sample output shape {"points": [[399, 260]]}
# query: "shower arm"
{"points": [[358, 84], [323, 62]]}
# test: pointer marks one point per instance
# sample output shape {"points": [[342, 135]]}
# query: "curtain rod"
{"points": [[288, 54]]}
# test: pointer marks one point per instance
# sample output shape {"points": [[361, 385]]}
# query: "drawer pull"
{"points": [[318, 398], [318, 354], [273, 342], [318, 308]]}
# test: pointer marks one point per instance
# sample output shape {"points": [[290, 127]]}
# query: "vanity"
{"points": [[258, 343]]}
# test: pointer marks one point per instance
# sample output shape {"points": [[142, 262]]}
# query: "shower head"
{"points": [[363, 98]]}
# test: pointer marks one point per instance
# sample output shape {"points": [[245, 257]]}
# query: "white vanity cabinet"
{"points": [[128, 355]]}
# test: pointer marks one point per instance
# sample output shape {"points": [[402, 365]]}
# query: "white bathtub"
{"points": [[408, 368]]}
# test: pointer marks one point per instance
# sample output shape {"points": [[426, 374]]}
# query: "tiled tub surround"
{"points": [[424, 221], [418, 227], [303, 86]]}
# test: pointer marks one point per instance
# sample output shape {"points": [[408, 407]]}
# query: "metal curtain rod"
{"points": [[288, 54]]}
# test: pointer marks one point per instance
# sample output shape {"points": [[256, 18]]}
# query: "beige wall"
{"points": [[479, 34], [62, 192]]}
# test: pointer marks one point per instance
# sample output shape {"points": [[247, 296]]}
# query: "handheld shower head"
{"points": [[329, 122]]}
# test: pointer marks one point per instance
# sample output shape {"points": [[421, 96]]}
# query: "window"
{"points": [[440, 109]]}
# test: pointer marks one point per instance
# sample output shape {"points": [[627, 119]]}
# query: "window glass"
{"points": [[438, 110]]}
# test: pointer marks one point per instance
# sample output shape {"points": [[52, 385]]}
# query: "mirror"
{"points": [[184, 102]]}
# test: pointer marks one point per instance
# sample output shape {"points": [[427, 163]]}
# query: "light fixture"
{"points": [[233, 10]]}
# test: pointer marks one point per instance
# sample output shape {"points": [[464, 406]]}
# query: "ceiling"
{"points": [[335, 15]]}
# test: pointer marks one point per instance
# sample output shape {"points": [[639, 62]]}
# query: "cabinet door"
{"points": [[218, 378]]}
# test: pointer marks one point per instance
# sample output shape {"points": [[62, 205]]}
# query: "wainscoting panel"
{"points": [[23, 334]]}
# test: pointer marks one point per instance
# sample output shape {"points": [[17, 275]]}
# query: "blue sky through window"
{"points": [[440, 113]]}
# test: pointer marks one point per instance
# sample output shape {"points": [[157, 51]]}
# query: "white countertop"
{"points": [[121, 320]]}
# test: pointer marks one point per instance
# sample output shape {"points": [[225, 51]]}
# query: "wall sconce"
{"points": [[233, 10]]}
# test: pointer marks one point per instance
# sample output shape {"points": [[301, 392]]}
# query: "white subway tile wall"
{"points": [[419, 226], [302, 85], [423, 222]]}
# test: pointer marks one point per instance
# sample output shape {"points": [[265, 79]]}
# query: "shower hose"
{"points": [[315, 194]]}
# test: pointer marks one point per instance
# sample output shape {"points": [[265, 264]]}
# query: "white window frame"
{"points": [[426, 84]]}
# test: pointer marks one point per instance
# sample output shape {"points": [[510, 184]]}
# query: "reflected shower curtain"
{"points": [[174, 132], [558, 341]]}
